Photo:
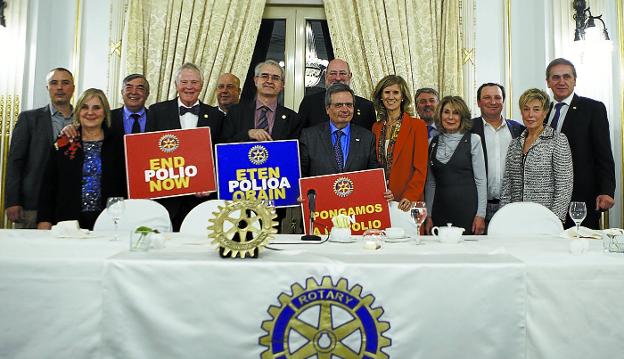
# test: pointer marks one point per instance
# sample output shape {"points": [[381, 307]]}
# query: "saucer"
{"points": [[349, 240], [397, 239]]}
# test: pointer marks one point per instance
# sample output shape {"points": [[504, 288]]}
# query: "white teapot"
{"points": [[448, 234]]}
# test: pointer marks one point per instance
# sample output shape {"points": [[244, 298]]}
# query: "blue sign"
{"points": [[259, 171]]}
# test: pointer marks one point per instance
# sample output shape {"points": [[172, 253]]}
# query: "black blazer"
{"points": [[166, 116], [117, 125], [312, 111], [60, 198], [317, 153], [587, 129], [29, 152], [477, 127], [240, 119]]}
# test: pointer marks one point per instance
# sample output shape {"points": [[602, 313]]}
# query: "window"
{"points": [[297, 38]]}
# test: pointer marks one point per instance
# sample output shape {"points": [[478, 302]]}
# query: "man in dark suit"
{"points": [[31, 145], [584, 122], [312, 107], [337, 145], [183, 112], [426, 100], [132, 116], [496, 133], [263, 119]]}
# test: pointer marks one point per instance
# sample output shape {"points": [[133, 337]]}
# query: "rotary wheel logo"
{"points": [[258, 155], [343, 187], [252, 221], [168, 143], [331, 321]]}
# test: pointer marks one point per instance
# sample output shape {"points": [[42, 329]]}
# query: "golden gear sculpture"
{"points": [[252, 221], [357, 334]]}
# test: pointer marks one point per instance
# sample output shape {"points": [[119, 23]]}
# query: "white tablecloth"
{"points": [[495, 298]]}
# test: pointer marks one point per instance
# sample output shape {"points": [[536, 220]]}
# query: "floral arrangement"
{"points": [[72, 145]]}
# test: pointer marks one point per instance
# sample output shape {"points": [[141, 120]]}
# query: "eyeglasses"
{"points": [[265, 77], [343, 104]]}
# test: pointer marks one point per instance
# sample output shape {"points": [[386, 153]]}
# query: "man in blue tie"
{"points": [[132, 116], [585, 124], [338, 145], [426, 100]]}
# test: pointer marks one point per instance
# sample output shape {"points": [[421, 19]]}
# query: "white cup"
{"points": [[395, 232]]}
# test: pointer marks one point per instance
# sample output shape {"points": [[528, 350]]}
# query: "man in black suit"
{"points": [[337, 145], [183, 112], [496, 133], [31, 145], [132, 116], [312, 107], [584, 122], [263, 119]]}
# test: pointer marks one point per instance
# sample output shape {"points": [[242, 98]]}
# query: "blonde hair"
{"points": [[534, 94], [86, 96], [456, 103], [390, 80]]}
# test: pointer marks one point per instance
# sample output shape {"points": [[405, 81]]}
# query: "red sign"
{"points": [[169, 163], [359, 194]]}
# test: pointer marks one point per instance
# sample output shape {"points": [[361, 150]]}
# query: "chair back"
{"points": [[196, 221], [524, 218], [138, 212]]}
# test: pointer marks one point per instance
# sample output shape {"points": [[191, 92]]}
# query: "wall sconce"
{"points": [[3, 4], [585, 20]]}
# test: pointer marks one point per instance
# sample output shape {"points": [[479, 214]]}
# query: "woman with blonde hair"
{"points": [[81, 174], [538, 166], [456, 189], [401, 141]]}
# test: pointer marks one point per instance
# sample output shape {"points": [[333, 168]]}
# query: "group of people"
{"points": [[465, 168]]}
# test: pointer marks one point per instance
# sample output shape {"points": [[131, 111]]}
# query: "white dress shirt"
{"points": [[188, 120], [497, 141]]}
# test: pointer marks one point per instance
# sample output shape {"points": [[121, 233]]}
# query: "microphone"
{"points": [[312, 208]]}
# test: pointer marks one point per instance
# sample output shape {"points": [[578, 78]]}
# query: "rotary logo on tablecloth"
{"points": [[307, 322]]}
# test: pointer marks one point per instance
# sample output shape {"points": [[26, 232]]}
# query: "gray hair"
{"points": [[272, 63], [336, 88], [560, 61], [137, 76], [188, 66], [426, 90], [62, 69]]}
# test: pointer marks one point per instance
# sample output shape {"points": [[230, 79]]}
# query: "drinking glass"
{"points": [[115, 207], [418, 213], [578, 211]]}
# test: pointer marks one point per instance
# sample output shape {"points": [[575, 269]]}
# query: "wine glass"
{"points": [[115, 207], [578, 211], [418, 213]]}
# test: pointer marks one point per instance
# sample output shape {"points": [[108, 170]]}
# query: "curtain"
{"points": [[13, 40], [216, 35], [418, 40]]}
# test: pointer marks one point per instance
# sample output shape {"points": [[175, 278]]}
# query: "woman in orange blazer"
{"points": [[401, 141]]}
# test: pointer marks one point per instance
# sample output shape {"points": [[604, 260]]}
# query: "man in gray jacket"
{"points": [[31, 144]]}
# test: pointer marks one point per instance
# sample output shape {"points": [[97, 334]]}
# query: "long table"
{"points": [[490, 298]]}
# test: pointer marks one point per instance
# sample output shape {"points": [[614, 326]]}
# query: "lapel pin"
{"points": [[357, 140], [283, 117], [205, 116], [574, 108], [358, 112]]}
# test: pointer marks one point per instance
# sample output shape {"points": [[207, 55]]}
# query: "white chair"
{"points": [[524, 218], [399, 218], [196, 221], [138, 212]]}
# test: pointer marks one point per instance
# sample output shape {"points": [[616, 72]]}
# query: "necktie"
{"points": [[194, 110], [136, 128], [263, 121], [338, 151], [555, 119]]}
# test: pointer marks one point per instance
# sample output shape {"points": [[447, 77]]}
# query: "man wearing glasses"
{"points": [[337, 145], [263, 119], [312, 108]]}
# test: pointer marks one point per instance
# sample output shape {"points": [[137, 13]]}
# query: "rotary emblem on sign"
{"points": [[326, 319], [343, 187], [168, 143], [258, 155]]}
